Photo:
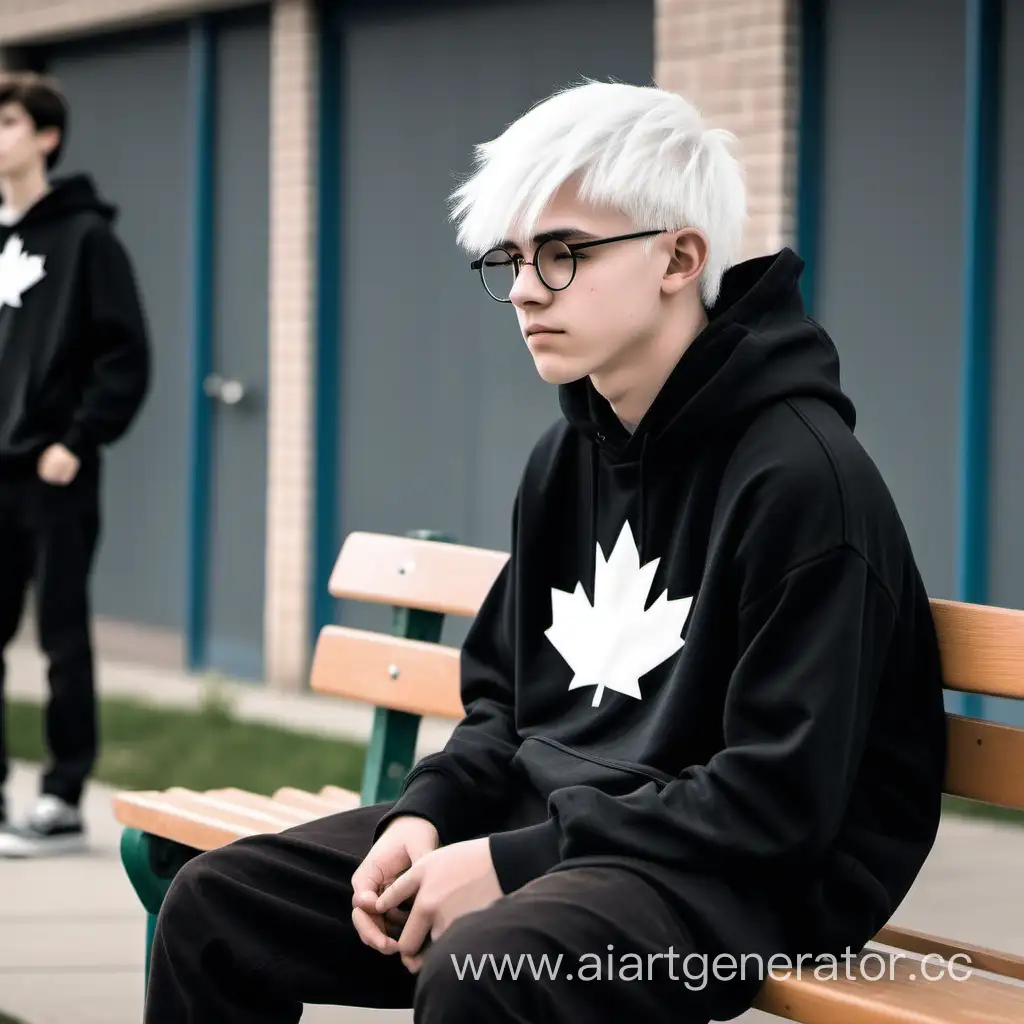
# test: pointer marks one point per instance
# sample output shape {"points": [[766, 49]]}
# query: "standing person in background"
{"points": [[74, 371]]}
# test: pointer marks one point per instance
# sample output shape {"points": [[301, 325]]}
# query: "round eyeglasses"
{"points": [[555, 262]]}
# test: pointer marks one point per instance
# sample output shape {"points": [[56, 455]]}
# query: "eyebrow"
{"points": [[562, 234]]}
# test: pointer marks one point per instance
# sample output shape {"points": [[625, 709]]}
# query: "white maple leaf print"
{"points": [[18, 271], [611, 644]]}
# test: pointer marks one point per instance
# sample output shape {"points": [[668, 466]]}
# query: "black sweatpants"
{"points": [[48, 537], [255, 929]]}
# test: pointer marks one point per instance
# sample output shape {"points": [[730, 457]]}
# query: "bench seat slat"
{"points": [[901, 996], [269, 819], [279, 809], [343, 798], [149, 812], [982, 958], [199, 820], [293, 797], [206, 820]]}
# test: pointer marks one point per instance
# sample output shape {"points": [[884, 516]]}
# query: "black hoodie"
{"points": [[751, 717], [74, 352]]}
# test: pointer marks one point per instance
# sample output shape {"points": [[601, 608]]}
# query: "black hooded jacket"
{"points": [[710, 655], [74, 351]]}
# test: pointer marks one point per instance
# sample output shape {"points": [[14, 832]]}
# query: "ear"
{"points": [[688, 255], [49, 139]]}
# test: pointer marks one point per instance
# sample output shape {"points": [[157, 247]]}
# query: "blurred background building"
{"points": [[325, 360]]}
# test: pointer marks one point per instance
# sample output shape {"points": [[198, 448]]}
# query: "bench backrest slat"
{"points": [[410, 572], [986, 762], [390, 672], [982, 648]]}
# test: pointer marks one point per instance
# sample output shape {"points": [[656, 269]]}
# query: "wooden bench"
{"points": [[406, 676], [410, 674]]}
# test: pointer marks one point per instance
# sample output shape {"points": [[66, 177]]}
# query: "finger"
{"points": [[402, 888], [365, 928], [367, 899], [368, 877], [379, 869], [416, 930], [414, 961], [369, 931]]}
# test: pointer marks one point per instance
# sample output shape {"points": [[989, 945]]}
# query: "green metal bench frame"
{"points": [[151, 861]]}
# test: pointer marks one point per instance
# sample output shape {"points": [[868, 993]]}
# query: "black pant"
{"points": [[48, 537], [255, 929]]}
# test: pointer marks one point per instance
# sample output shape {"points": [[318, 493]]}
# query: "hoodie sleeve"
{"points": [[457, 788], [120, 366], [797, 712]]}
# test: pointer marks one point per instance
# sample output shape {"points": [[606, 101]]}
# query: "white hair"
{"points": [[643, 151]]}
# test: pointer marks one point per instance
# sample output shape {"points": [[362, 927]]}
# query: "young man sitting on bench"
{"points": [[704, 711]]}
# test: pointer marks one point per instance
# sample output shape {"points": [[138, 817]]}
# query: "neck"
{"points": [[632, 384], [23, 190]]}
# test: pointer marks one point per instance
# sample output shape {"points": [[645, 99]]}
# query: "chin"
{"points": [[557, 369]]}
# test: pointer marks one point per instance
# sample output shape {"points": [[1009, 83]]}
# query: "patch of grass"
{"points": [[148, 747], [4, 1019]]}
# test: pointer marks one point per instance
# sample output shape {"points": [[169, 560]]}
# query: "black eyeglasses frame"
{"points": [[519, 261]]}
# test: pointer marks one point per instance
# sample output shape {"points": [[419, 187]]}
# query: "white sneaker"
{"points": [[52, 827]]}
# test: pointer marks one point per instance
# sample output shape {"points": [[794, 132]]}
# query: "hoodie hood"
{"points": [[758, 348], [68, 196]]}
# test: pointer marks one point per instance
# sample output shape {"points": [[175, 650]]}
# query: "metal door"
{"points": [[237, 384], [129, 128]]}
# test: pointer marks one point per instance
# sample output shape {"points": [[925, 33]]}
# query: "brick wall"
{"points": [[738, 60], [292, 338]]}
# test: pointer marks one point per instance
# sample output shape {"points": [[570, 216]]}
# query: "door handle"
{"points": [[225, 390]]}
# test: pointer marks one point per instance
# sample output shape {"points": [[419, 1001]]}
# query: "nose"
{"points": [[528, 289]]}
